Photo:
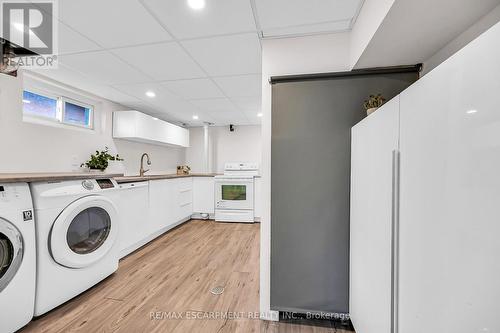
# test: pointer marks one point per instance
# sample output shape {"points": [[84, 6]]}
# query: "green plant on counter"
{"points": [[375, 101], [100, 160]]}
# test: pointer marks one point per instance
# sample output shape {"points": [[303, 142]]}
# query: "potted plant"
{"points": [[373, 103], [103, 160]]}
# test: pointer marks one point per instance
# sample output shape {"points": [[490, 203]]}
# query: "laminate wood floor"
{"points": [[165, 287]]}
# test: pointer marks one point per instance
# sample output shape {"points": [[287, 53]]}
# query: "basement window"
{"points": [[44, 107]]}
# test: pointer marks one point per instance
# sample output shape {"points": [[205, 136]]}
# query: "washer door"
{"points": [[84, 232], [11, 252]]}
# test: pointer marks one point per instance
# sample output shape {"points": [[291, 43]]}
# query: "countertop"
{"points": [[61, 176], [130, 179], [53, 176]]}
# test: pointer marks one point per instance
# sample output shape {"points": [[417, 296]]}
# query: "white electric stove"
{"points": [[234, 193]]}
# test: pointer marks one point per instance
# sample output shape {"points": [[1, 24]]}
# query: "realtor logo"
{"points": [[29, 25]]}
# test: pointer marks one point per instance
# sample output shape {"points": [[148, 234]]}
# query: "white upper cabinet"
{"points": [[137, 126]]}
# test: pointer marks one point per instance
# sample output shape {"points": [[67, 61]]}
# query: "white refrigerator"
{"points": [[425, 202]]}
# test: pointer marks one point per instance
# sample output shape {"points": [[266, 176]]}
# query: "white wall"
{"points": [[463, 39], [27, 147], [412, 31], [369, 19], [242, 145], [310, 54]]}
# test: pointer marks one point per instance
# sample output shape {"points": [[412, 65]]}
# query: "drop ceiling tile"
{"points": [[165, 61], [218, 17], [112, 94], [241, 85], [226, 118], [71, 41], [103, 67], [163, 102], [336, 26], [285, 13], [176, 106], [194, 89], [215, 105], [139, 90], [112, 23], [140, 106], [228, 55], [248, 104], [253, 117], [77, 80], [202, 117]]}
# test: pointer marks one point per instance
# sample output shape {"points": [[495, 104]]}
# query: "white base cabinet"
{"points": [[170, 201], [203, 195], [445, 240], [183, 198]]}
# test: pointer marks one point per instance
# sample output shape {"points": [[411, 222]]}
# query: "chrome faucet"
{"points": [[148, 161]]}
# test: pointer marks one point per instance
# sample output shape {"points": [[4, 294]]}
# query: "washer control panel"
{"points": [[88, 185], [105, 183]]}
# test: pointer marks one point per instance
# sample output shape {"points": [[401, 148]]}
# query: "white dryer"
{"points": [[17, 257], [77, 228]]}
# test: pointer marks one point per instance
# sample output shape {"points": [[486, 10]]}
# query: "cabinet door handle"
{"points": [[395, 240]]}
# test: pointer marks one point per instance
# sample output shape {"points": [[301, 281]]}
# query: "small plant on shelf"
{"points": [[100, 160], [373, 103]]}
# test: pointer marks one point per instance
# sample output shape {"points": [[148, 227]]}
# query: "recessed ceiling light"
{"points": [[259, 114], [196, 4], [471, 111], [195, 117], [155, 118], [150, 94]]}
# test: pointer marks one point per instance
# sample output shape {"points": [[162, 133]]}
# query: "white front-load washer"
{"points": [[77, 228], [17, 257]]}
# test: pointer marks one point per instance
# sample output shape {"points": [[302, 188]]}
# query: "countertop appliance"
{"points": [[77, 228], [234, 193], [17, 257]]}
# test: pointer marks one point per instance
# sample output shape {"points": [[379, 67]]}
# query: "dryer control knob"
{"points": [[88, 185]]}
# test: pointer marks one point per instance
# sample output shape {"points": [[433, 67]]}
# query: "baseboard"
{"points": [[151, 237], [197, 216]]}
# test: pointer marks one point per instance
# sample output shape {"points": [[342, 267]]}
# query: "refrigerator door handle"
{"points": [[395, 240]]}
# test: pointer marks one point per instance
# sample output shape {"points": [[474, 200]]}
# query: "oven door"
{"points": [[234, 193]]}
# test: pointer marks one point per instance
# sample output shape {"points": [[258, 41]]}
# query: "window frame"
{"points": [[60, 109], [46, 95], [65, 99]]}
